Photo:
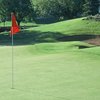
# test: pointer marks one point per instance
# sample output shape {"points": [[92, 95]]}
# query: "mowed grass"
{"points": [[71, 27], [50, 71], [8, 23]]}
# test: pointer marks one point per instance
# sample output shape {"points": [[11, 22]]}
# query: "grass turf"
{"points": [[71, 27], [50, 71], [53, 71], [8, 23]]}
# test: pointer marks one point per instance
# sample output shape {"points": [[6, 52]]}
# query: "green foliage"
{"points": [[63, 9], [66, 9], [90, 7], [95, 18], [22, 9], [51, 10]]}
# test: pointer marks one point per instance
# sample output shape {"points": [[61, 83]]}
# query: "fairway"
{"points": [[50, 71]]}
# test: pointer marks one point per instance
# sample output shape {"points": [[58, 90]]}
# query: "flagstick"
{"points": [[12, 87], [14, 29]]}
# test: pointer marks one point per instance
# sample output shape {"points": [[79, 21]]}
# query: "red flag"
{"points": [[14, 28]]}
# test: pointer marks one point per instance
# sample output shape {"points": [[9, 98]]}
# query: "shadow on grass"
{"points": [[32, 37], [7, 28]]}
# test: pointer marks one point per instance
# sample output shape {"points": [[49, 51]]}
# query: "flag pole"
{"points": [[12, 87], [12, 37], [14, 30]]}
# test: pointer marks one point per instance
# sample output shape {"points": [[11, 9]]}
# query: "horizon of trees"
{"points": [[29, 10]]}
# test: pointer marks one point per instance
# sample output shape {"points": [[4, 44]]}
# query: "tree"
{"points": [[90, 7], [51, 7], [21, 8], [60, 8]]}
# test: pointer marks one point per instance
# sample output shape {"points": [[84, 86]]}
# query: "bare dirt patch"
{"points": [[94, 41]]}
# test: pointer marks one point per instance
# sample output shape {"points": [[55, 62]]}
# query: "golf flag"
{"points": [[14, 28]]}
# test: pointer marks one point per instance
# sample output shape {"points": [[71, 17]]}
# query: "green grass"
{"points": [[50, 71], [70, 27], [8, 23], [75, 26]]}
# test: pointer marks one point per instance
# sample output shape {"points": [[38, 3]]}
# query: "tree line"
{"points": [[59, 9]]}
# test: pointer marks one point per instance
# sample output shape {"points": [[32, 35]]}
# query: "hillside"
{"points": [[75, 26], [71, 30], [69, 27]]}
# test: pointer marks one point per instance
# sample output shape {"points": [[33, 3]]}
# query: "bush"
{"points": [[90, 17]]}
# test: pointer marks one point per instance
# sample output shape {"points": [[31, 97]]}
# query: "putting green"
{"points": [[58, 71]]}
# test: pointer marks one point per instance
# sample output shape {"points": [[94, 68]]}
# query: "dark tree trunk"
{"points": [[18, 23]]}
